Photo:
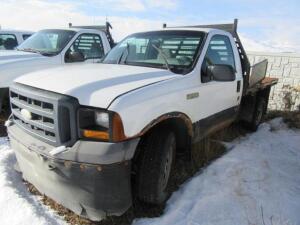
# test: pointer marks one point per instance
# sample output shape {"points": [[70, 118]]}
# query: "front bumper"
{"points": [[94, 188]]}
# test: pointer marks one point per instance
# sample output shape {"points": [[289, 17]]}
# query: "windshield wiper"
{"points": [[36, 51], [28, 50], [163, 55]]}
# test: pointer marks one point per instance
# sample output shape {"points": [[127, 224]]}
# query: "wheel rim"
{"points": [[168, 165]]}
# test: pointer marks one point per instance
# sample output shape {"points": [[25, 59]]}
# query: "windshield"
{"points": [[173, 50], [47, 42]]}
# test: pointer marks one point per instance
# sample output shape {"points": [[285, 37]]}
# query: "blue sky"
{"points": [[264, 25]]}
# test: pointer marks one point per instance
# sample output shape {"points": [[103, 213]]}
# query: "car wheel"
{"points": [[156, 162]]}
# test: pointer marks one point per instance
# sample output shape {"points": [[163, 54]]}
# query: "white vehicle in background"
{"points": [[50, 48], [10, 39]]}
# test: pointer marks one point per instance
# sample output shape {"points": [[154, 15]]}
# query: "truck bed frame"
{"points": [[105, 28]]}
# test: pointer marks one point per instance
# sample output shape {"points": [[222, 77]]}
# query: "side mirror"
{"points": [[221, 72], [75, 57]]}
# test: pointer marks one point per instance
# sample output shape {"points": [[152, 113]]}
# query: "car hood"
{"points": [[95, 84]]}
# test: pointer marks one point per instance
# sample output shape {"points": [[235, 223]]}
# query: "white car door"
{"points": [[218, 100]]}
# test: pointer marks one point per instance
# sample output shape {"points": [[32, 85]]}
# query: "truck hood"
{"points": [[14, 55], [95, 84], [16, 63]]}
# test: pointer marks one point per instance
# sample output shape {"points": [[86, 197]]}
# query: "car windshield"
{"points": [[173, 50], [47, 42]]}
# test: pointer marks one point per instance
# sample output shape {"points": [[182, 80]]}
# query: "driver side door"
{"points": [[217, 99]]}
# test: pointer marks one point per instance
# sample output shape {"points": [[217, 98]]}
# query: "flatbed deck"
{"points": [[266, 82]]}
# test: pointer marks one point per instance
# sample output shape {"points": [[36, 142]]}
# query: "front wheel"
{"points": [[155, 166]]}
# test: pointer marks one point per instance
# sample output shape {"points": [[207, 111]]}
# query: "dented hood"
{"points": [[95, 84]]}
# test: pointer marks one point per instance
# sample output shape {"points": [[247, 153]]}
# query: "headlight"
{"points": [[102, 119], [100, 124]]}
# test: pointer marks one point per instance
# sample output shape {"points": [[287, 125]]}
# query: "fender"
{"points": [[172, 115]]}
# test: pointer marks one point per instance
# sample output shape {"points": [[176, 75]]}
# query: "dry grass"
{"points": [[292, 119]]}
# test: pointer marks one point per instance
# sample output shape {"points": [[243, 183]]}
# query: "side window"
{"points": [[25, 36], [219, 52], [8, 42], [89, 45]]}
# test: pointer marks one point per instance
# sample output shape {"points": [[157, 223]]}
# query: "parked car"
{"points": [[10, 39], [90, 136], [50, 48]]}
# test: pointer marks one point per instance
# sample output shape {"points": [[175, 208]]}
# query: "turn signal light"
{"points": [[102, 135]]}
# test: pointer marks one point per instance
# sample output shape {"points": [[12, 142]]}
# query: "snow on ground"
{"points": [[256, 183], [17, 205]]}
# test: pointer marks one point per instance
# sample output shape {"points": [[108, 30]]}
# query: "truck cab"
{"points": [[10, 39], [53, 47], [107, 130]]}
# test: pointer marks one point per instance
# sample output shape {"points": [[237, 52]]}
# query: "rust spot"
{"points": [[186, 120], [154, 122]]}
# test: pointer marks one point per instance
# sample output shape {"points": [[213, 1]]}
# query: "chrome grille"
{"points": [[42, 116], [46, 115]]}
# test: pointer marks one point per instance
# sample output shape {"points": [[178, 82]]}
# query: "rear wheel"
{"points": [[258, 114], [155, 166]]}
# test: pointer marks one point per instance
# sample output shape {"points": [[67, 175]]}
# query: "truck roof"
{"points": [[80, 29], [190, 28], [15, 31]]}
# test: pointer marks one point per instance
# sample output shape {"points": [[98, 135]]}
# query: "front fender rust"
{"points": [[167, 116]]}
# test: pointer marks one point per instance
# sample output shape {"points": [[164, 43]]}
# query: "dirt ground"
{"points": [[203, 153]]}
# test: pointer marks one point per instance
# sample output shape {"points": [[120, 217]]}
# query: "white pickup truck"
{"points": [[51, 48], [89, 136], [10, 39]]}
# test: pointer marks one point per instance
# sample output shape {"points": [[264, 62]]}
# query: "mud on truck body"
{"points": [[97, 134]]}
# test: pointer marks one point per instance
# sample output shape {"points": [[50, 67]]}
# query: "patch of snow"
{"points": [[17, 205], [257, 182]]}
